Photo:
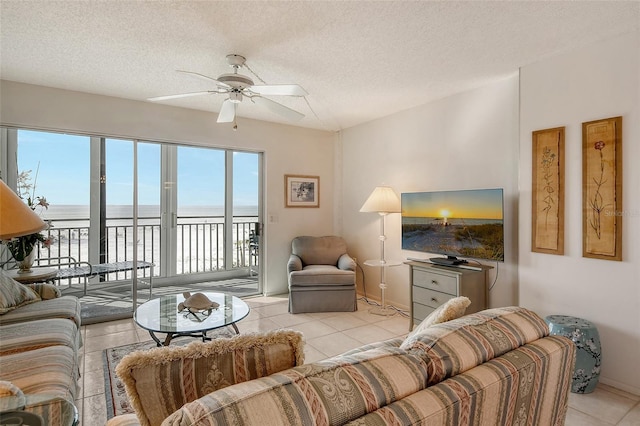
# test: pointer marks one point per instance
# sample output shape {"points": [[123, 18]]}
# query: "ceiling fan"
{"points": [[239, 87]]}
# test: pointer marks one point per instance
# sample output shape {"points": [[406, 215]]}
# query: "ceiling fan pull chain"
{"points": [[255, 75]]}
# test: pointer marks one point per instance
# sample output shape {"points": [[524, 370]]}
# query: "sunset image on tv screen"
{"points": [[466, 223]]}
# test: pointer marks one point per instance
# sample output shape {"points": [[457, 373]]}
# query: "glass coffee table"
{"points": [[161, 315]]}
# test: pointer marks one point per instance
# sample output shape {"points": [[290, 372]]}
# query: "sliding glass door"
{"points": [[188, 217], [200, 212], [246, 197], [56, 168]]}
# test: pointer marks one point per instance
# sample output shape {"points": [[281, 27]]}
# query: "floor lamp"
{"points": [[383, 200]]}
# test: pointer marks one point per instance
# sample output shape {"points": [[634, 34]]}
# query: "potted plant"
{"points": [[23, 248]]}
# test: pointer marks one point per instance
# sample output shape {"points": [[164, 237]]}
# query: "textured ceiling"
{"points": [[358, 60]]}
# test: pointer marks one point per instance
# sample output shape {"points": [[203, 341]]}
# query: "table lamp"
{"points": [[383, 200], [16, 217]]}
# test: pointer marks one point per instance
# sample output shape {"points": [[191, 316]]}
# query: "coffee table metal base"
{"points": [[170, 336]]}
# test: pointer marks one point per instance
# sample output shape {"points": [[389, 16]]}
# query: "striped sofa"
{"points": [[495, 367], [39, 363]]}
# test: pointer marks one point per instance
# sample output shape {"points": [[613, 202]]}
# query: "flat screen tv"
{"points": [[454, 224]]}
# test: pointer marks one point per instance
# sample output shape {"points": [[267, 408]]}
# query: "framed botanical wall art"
{"points": [[602, 189], [547, 219], [301, 191]]}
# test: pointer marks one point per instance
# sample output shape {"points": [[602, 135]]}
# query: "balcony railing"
{"points": [[200, 243]]}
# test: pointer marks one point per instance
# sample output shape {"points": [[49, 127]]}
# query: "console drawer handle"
{"points": [[434, 282], [433, 299]]}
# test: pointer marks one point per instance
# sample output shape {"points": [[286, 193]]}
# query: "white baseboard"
{"points": [[621, 386]]}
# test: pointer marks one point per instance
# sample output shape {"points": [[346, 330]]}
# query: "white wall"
{"points": [[597, 82], [467, 141], [287, 150]]}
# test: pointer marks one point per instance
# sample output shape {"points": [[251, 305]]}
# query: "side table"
{"points": [[36, 274], [588, 354], [382, 264]]}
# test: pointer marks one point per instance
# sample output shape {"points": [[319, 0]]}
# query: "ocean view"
{"points": [[60, 212], [78, 215], [199, 238]]}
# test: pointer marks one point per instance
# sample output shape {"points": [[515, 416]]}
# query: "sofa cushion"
{"points": [[450, 310], [455, 346], [52, 410], [313, 275], [332, 391], [13, 294], [20, 337], [159, 381], [50, 371], [67, 307]]}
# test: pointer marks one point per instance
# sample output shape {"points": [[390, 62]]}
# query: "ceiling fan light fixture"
{"points": [[235, 97]]}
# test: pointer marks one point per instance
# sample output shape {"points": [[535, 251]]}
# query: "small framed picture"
{"points": [[301, 191]]}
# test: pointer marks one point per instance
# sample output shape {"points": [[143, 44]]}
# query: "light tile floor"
{"points": [[326, 334]]}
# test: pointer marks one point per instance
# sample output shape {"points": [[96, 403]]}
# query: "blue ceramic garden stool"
{"points": [[588, 354]]}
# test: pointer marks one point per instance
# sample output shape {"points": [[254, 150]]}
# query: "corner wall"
{"points": [[597, 82], [287, 150], [466, 141]]}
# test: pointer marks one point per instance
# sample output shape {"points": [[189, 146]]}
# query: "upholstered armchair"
{"points": [[322, 276]]}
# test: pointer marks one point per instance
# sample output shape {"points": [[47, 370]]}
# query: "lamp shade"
{"points": [[383, 199], [16, 217]]}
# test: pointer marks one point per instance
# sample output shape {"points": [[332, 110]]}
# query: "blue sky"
{"points": [[63, 171]]}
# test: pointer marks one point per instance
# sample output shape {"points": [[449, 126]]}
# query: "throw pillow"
{"points": [[450, 310], [13, 294], [458, 345], [159, 381], [46, 291]]}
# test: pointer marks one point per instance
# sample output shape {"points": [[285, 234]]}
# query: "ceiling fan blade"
{"points": [[228, 112], [181, 95], [279, 90], [278, 108], [206, 77]]}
